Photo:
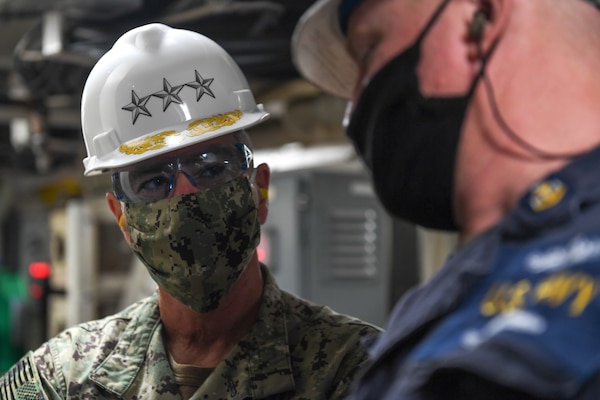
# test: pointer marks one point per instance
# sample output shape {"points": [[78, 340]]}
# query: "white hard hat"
{"points": [[319, 52], [159, 89]]}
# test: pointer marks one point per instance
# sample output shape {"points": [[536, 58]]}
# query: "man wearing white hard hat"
{"points": [[165, 112]]}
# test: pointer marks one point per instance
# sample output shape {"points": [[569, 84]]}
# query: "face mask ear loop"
{"points": [[417, 42], [431, 21]]}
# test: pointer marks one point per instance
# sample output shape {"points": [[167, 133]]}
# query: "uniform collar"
{"points": [[557, 198], [258, 367], [120, 368]]}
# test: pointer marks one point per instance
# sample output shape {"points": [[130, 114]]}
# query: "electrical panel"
{"points": [[328, 239]]}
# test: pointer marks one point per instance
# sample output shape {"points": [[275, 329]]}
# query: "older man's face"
{"points": [[378, 30]]}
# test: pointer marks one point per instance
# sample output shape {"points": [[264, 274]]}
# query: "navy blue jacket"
{"points": [[514, 314]]}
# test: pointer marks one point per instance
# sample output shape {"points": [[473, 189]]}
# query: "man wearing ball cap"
{"points": [[478, 117]]}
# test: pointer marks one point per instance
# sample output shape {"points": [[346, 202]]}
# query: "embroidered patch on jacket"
{"points": [[20, 383], [547, 194]]}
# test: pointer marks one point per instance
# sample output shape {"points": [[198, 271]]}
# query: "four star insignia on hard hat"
{"points": [[137, 106], [202, 86], [169, 95]]}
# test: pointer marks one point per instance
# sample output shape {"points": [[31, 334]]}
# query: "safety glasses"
{"points": [[205, 167]]}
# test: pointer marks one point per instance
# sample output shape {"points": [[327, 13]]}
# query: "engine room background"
{"points": [[327, 237]]}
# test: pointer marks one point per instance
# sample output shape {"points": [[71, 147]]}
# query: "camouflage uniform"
{"points": [[296, 350]]}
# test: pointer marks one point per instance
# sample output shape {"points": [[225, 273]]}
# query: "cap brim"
{"points": [[319, 52]]}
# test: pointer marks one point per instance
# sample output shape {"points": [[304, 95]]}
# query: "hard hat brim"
{"points": [[319, 52], [177, 137]]}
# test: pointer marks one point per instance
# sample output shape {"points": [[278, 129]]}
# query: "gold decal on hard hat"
{"points": [[145, 144], [215, 122], [196, 128]]}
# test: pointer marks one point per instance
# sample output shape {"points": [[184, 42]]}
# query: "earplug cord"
{"points": [[536, 151]]}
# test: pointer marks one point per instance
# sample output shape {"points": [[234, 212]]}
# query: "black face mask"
{"points": [[409, 142]]}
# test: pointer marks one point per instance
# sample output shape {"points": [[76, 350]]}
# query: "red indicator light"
{"points": [[264, 249], [262, 254], [40, 270], [36, 291]]}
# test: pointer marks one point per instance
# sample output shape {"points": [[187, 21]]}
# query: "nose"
{"points": [[182, 185]]}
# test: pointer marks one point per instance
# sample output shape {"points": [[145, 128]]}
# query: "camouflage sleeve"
{"points": [[354, 366], [354, 363], [22, 382]]}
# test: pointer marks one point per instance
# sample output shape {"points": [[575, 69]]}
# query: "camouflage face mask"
{"points": [[196, 246]]}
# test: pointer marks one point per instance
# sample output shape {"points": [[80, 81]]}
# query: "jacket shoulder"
{"points": [[326, 347], [308, 315], [73, 354]]}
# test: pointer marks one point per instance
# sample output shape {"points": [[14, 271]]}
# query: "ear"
{"points": [[261, 180], [485, 26], [115, 207]]}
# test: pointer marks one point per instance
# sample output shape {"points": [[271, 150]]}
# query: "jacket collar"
{"points": [[556, 199], [120, 368]]}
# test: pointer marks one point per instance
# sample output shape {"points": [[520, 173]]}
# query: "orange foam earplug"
{"points": [[264, 193]]}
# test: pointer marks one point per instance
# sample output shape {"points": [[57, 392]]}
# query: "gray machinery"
{"points": [[329, 240]]}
